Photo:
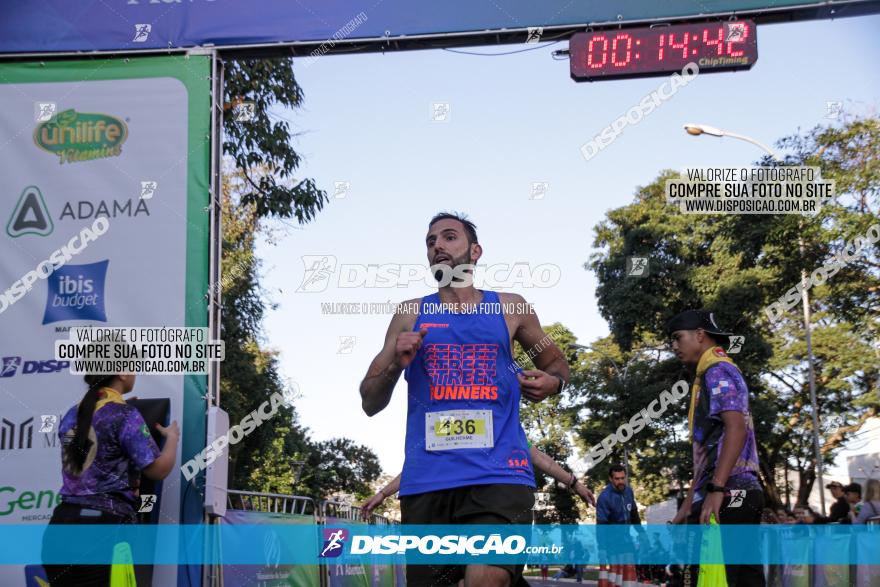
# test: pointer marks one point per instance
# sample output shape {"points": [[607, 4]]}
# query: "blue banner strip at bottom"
{"points": [[461, 544]]}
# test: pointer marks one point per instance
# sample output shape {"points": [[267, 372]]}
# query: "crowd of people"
{"points": [[469, 461], [851, 506]]}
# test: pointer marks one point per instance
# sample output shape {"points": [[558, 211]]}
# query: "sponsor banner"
{"points": [[350, 574], [797, 550], [867, 575], [309, 544], [84, 245], [832, 575], [273, 572], [62, 25]]}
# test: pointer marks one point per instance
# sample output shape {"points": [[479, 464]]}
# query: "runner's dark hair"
{"points": [[81, 444], [615, 468], [469, 227]]}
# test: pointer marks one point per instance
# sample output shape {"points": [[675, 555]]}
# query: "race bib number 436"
{"points": [[458, 429]]}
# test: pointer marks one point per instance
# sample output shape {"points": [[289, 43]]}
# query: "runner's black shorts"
{"points": [[474, 504]]}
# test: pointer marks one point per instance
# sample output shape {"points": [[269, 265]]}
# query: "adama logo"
{"points": [[30, 216], [81, 136]]}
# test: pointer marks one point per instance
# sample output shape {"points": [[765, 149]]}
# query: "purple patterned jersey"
{"points": [[120, 446], [723, 389]]}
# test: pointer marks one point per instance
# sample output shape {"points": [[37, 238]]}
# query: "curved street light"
{"points": [[701, 129], [704, 129]]}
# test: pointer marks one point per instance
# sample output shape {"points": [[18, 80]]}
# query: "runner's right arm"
{"points": [[401, 345]]}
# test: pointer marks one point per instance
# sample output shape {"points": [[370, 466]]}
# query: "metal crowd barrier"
{"points": [[349, 512], [275, 503], [340, 511]]}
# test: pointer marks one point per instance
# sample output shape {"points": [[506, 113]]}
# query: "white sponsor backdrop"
{"points": [[146, 253]]}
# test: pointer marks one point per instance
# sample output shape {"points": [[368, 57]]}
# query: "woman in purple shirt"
{"points": [[105, 445]]}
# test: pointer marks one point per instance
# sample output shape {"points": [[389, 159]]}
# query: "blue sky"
{"points": [[514, 120]]}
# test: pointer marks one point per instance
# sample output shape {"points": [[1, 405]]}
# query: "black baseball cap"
{"points": [[693, 319], [853, 488]]}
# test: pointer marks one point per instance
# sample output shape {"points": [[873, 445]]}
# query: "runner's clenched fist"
{"points": [[408, 344]]}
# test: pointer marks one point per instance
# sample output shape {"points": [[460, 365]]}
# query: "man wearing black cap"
{"points": [[840, 507], [725, 481]]}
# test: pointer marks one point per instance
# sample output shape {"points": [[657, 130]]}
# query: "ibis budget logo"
{"points": [[81, 136]]}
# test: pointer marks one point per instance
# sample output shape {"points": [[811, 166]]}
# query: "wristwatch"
{"points": [[712, 488], [561, 384]]}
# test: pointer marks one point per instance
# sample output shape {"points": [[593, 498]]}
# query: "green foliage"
{"points": [[340, 466], [265, 459], [736, 265], [545, 426], [265, 142], [609, 388], [263, 185]]}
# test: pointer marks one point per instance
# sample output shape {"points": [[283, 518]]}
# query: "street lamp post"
{"points": [[700, 129], [297, 467]]}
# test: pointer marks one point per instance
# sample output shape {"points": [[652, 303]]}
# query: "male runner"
{"points": [[725, 480], [467, 458]]}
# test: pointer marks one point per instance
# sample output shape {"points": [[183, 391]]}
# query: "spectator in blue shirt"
{"points": [[617, 504]]}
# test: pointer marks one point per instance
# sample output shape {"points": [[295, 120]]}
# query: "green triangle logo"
{"points": [[31, 216]]}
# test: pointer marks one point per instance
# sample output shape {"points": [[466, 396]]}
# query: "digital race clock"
{"points": [[642, 52]]}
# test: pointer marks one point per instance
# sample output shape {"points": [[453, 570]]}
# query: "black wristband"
{"points": [[561, 384], [712, 488]]}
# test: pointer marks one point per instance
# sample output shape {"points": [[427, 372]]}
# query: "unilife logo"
{"points": [[81, 136], [76, 292]]}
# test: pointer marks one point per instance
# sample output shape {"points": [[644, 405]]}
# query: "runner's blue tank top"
{"points": [[462, 425]]}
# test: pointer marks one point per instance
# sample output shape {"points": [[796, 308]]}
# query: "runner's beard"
{"points": [[463, 260]]}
